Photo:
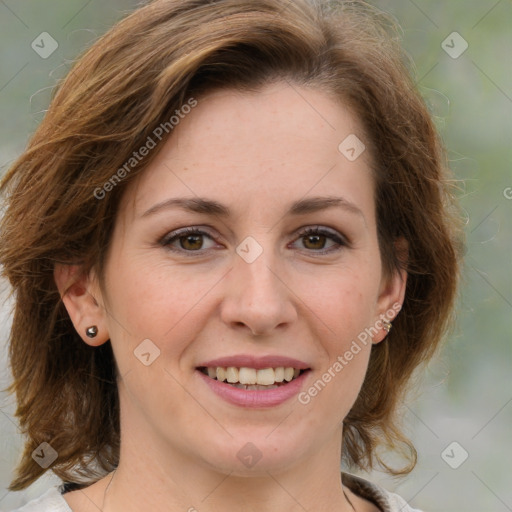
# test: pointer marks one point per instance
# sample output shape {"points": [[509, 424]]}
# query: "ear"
{"points": [[81, 296], [391, 292]]}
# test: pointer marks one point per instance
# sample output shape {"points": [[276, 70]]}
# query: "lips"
{"points": [[249, 361], [248, 381]]}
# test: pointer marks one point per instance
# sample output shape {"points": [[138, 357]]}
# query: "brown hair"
{"points": [[129, 83]]}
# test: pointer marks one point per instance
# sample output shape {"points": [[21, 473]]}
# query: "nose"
{"points": [[257, 298]]}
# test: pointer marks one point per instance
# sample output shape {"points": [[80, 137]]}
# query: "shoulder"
{"points": [[386, 501], [50, 501]]}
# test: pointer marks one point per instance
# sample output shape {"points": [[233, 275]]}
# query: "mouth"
{"points": [[253, 379]]}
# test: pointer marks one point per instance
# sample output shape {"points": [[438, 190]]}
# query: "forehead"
{"points": [[268, 147]]}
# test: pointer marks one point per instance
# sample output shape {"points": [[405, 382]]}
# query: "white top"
{"points": [[52, 500]]}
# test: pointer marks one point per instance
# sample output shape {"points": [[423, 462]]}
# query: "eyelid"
{"points": [[339, 239], [325, 230], [181, 232]]}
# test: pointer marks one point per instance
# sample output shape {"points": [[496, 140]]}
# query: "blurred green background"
{"points": [[466, 396]]}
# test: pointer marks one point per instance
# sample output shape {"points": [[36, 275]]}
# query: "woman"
{"points": [[231, 243]]}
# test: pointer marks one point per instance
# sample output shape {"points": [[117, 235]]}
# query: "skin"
{"points": [[256, 153]]}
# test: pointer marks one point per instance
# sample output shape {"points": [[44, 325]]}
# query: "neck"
{"points": [[163, 481]]}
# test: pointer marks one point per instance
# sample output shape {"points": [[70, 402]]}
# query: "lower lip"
{"points": [[253, 398]]}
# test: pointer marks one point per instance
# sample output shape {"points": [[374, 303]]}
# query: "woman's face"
{"points": [[250, 242]]}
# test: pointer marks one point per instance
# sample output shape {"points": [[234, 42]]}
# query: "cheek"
{"points": [[343, 300], [347, 345], [154, 300], [346, 348], [343, 303]]}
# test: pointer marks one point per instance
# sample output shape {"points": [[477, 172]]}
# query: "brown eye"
{"points": [[314, 242], [321, 240], [191, 242], [188, 240]]}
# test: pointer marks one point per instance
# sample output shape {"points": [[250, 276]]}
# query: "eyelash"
{"points": [[316, 230]]}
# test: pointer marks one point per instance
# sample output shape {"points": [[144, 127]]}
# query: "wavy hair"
{"points": [[122, 89]]}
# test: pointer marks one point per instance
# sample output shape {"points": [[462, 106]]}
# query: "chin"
{"points": [[256, 453]]}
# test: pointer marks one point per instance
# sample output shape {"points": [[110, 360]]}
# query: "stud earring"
{"points": [[91, 332], [387, 325]]}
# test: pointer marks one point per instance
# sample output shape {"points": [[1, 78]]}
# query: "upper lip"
{"points": [[249, 361]]}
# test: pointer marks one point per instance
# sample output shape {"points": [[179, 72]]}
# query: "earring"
{"points": [[91, 332], [387, 325]]}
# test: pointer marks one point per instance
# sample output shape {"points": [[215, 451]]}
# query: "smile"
{"points": [[280, 384], [252, 378]]}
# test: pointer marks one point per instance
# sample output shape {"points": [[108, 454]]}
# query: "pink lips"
{"points": [[255, 398], [256, 362]]}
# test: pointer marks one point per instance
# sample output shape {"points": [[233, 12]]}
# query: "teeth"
{"points": [[251, 378], [288, 374], [255, 387], [265, 377], [247, 375], [279, 374], [232, 374]]}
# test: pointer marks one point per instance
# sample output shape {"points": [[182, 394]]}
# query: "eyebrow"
{"points": [[211, 207]]}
